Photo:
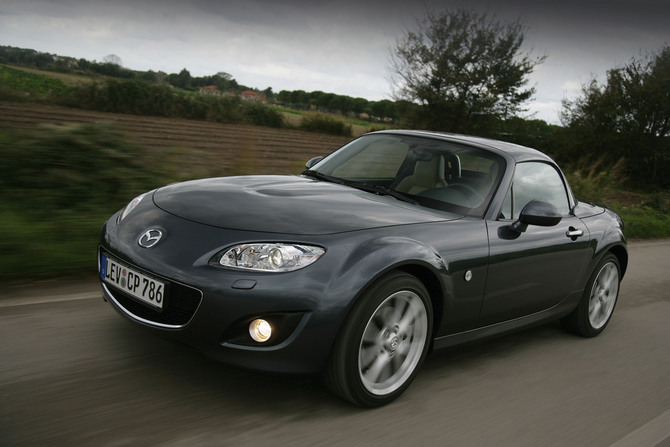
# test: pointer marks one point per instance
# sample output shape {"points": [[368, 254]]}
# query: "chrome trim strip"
{"points": [[139, 319]]}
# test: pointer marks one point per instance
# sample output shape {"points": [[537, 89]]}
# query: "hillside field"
{"points": [[202, 148]]}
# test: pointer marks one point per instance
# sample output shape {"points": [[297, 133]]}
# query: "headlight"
{"points": [[269, 257], [131, 206]]}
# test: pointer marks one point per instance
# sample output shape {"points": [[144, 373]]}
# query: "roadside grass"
{"points": [[644, 222], [646, 215], [59, 184], [61, 245]]}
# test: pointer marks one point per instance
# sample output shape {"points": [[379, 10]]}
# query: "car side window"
{"points": [[535, 181]]}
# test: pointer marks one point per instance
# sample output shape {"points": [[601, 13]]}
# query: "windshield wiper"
{"points": [[327, 178], [382, 190], [376, 189]]}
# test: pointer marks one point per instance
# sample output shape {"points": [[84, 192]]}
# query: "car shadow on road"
{"points": [[167, 368]]}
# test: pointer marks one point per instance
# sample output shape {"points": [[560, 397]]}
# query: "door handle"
{"points": [[573, 233]]}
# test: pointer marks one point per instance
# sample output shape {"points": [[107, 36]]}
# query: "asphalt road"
{"points": [[73, 373]]}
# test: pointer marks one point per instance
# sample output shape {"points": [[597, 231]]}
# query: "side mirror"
{"points": [[312, 162], [538, 213]]}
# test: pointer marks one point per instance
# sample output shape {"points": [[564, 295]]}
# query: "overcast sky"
{"points": [[338, 46]]}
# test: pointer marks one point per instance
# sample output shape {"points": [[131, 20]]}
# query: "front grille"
{"points": [[179, 307]]}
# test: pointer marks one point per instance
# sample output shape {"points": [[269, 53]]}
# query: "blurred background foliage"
{"points": [[60, 183]]}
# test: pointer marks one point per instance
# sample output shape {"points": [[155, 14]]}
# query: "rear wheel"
{"points": [[600, 296], [382, 345]]}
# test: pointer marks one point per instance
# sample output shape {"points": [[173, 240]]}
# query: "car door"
{"points": [[536, 269]]}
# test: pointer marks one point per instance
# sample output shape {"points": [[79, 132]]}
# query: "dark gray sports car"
{"points": [[397, 243]]}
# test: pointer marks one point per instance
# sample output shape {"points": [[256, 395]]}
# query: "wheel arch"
{"points": [[607, 236], [622, 255], [337, 376], [375, 258], [424, 273], [435, 290]]}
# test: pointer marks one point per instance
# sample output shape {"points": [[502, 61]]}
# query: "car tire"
{"points": [[383, 343], [595, 309]]}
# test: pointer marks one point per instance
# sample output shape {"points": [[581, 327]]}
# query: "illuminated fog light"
{"points": [[260, 330]]}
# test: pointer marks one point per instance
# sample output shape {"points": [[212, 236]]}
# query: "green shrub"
{"points": [[220, 110], [599, 183], [140, 97], [658, 201], [261, 115], [595, 181], [135, 97], [316, 122]]}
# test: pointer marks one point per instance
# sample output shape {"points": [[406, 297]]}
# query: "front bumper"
{"points": [[209, 309], [217, 324]]}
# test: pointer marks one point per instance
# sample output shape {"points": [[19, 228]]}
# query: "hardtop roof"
{"points": [[516, 151]]}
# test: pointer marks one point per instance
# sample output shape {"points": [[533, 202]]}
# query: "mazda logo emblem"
{"points": [[150, 238]]}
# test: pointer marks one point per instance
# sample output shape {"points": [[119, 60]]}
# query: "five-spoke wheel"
{"points": [[603, 295], [393, 342], [383, 343], [600, 296]]}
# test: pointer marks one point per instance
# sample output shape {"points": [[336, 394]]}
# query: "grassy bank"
{"points": [[60, 183], [646, 214]]}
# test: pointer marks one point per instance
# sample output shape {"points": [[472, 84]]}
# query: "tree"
{"points": [[225, 76], [383, 109], [268, 93], [465, 69], [181, 80], [224, 81], [627, 117], [112, 59]]}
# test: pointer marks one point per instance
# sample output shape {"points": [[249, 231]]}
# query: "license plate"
{"points": [[132, 282]]}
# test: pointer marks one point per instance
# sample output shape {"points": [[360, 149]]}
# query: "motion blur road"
{"points": [[72, 372]]}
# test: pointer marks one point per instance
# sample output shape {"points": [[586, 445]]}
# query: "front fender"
{"points": [[374, 258], [607, 236], [453, 267]]}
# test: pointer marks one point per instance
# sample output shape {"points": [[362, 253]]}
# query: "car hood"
{"points": [[287, 204]]}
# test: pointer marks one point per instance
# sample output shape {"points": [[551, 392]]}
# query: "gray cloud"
{"points": [[340, 47]]}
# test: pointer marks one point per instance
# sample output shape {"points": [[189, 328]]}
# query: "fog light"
{"points": [[260, 330]]}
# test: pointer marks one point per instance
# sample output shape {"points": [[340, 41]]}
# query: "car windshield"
{"points": [[432, 172]]}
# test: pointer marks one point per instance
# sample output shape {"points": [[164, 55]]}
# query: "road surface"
{"points": [[74, 373]]}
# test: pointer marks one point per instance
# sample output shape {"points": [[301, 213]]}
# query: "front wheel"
{"points": [[383, 343], [595, 309]]}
